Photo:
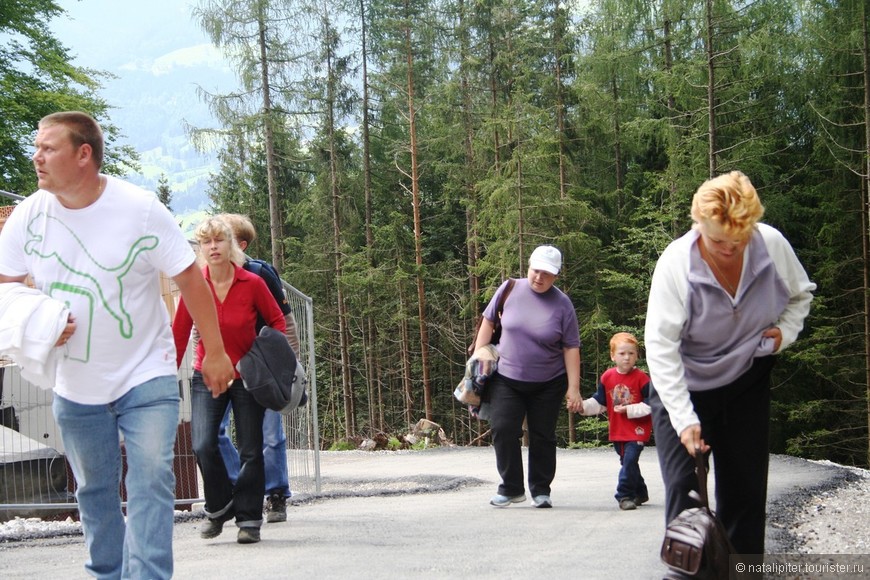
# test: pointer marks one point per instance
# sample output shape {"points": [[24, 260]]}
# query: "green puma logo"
{"points": [[64, 243]]}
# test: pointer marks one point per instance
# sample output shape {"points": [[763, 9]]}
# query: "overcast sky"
{"points": [[160, 56], [109, 34], [135, 38]]}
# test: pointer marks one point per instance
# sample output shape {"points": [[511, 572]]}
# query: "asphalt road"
{"points": [[425, 514]]}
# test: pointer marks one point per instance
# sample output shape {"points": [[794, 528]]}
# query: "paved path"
{"points": [[425, 514]]}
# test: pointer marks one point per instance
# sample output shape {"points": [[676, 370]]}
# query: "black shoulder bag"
{"points": [[496, 327], [695, 541]]}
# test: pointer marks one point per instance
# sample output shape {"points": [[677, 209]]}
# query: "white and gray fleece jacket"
{"points": [[698, 337]]}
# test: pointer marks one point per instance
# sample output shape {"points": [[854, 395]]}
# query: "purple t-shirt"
{"points": [[535, 330]]}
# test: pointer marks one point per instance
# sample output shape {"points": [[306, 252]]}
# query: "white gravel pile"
{"points": [[834, 521], [22, 528]]}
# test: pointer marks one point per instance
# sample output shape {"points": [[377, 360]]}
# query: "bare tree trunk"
{"points": [[335, 194], [376, 410], [418, 233], [560, 103], [493, 91], [711, 91], [865, 193], [275, 229], [471, 242], [617, 145], [672, 109], [407, 382]]}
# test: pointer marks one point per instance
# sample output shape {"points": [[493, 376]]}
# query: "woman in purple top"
{"points": [[539, 362], [725, 298]]}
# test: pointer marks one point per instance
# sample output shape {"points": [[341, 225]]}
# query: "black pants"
{"points": [[735, 423], [539, 403]]}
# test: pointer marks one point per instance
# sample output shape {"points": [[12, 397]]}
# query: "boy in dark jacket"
{"points": [[623, 391]]}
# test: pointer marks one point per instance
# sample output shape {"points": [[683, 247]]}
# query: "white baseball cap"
{"points": [[546, 258]]}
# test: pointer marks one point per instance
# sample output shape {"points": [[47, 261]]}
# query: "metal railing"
{"points": [[11, 195], [35, 478]]}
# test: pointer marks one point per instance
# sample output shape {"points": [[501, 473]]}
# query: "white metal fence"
{"points": [[35, 478]]}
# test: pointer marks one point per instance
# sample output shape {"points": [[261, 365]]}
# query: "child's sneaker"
{"points": [[639, 501]]}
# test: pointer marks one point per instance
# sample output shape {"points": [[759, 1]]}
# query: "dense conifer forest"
{"points": [[402, 158]]}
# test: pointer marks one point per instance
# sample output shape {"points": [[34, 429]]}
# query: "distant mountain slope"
{"points": [[159, 56]]}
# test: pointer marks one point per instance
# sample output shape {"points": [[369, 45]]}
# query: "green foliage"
{"points": [[164, 192], [343, 445], [584, 125], [421, 444], [591, 432], [37, 78]]}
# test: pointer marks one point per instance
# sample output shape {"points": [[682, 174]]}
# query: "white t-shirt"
{"points": [[104, 262]]}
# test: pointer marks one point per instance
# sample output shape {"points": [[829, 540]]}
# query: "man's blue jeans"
{"points": [[631, 483], [274, 452], [222, 498], [147, 417]]}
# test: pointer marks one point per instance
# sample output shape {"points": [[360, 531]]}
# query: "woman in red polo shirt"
{"points": [[239, 297]]}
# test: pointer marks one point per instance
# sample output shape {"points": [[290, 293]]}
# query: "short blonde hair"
{"points": [[243, 229], [622, 338], [214, 227], [731, 201]]}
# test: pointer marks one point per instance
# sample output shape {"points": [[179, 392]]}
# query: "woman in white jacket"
{"points": [[726, 297]]}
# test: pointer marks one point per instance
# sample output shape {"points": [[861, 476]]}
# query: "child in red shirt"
{"points": [[623, 391]]}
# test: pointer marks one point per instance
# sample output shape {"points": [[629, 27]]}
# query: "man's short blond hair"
{"points": [[730, 200], [82, 129], [243, 229]]}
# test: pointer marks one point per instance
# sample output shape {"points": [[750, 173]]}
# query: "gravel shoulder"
{"points": [[830, 518]]}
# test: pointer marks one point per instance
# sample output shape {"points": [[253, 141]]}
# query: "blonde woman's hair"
{"points": [[622, 338], [216, 227], [731, 201]]}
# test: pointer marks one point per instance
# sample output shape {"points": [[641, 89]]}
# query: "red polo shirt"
{"points": [[237, 317]]}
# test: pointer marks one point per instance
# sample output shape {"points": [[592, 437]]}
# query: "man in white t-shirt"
{"points": [[97, 243]]}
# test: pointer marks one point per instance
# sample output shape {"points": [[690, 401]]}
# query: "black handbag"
{"points": [[696, 542], [496, 326]]}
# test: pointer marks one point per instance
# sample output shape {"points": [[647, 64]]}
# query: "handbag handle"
{"points": [[701, 473]]}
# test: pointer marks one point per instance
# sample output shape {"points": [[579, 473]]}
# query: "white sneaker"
{"points": [[542, 501], [504, 501]]}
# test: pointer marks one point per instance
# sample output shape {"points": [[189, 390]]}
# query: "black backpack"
{"points": [[267, 272]]}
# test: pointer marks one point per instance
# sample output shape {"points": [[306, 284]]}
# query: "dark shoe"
{"points": [[641, 500], [276, 508], [248, 535], [212, 528], [627, 504]]}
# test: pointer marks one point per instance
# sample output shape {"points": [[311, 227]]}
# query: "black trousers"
{"points": [[539, 403], [735, 423]]}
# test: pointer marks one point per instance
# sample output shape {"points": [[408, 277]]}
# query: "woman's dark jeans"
{"points": [[735, 423], [512, 401], [222, 499]]}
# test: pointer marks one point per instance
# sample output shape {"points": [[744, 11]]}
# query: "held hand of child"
{"points": [[591, 407], [619, 409]]}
